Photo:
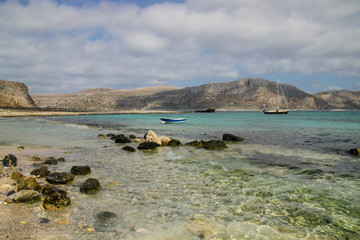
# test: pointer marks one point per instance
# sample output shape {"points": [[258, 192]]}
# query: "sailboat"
{"points": [[277, 110]]}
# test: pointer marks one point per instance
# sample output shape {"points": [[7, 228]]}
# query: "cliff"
{"points": [[15, 95], [341, 99]]}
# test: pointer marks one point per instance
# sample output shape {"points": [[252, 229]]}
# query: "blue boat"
{"points": [[173, 120]]}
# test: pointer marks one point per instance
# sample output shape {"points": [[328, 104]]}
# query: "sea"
{"points": [[291, 178]]}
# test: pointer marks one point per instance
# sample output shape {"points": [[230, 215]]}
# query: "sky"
{"points": [[63, 46]]}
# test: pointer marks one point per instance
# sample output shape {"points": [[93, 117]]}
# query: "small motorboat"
{"points": [[173, 120]]}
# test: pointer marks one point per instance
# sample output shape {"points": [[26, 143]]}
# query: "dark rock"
{"points": [[91, 185], [80, 170], [174, 143], [147, 145], [50, 190], [51, 162], [230, 137], [28, 183], [196, 143], [110, 135], [56, 200], [214, 145], [132, 137], [129, 149], [10, 161], [121, 139], [27, 196], [101, 136], [10, 193], [355, 151], [60, 178], [44, 220], [41, 172]]}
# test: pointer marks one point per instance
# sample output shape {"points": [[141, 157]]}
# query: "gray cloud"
{"points": [[63, 48]]}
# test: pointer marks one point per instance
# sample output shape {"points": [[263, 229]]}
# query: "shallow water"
{"points": [[290, 179]]}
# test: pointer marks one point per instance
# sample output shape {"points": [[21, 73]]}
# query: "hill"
{"points": [[15, 95], [341, 99]]}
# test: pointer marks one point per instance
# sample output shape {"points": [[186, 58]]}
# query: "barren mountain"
{"points": [[15, 95], [341, 99]]}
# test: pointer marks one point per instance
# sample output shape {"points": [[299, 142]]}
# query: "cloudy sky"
{"points": [[64, 46]]}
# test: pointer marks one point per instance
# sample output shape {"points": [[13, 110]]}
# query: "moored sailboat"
{"points": [[277, 110]]}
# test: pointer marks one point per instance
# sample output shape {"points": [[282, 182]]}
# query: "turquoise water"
{"points": [[290, 179]]}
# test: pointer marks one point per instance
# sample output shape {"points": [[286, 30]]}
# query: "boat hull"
{"points": [[276, 112], [173, 120]]}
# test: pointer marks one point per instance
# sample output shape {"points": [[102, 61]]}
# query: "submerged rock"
{"points": [[80, 170], [56, 200], [104, 217], [41, 172], [10, 161], [27, 196], [196, 143], [51, 162], [129, 149], [147, 145], [174, 143], [28, 183], [91, 185], [121, 139], [231, 137], [60, 178], [214, 145]]}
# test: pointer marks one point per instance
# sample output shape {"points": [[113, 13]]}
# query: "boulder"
{"points": [[151, 136], [10, 161], [147, 145], [132, 137], [80, 170], [196, 143], [165, 140], [28, 183], [56, 200], [16, 176], [27, 196], [214, 145], [48, 190], [129, 149], [174, 143], [231, 137], [355, 151], [41, 172], [91, 185], [121, 139], [60, 178]]}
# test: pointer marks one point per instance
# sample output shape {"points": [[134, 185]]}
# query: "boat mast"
{"points": [[277, 93]]}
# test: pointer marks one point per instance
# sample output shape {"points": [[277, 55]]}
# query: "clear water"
{"points": [[290, 179]]}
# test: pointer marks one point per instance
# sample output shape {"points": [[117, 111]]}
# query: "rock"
{"points": [[80, 170], [147, 145], [230, 137], [101, 136], [56, 200], [355, 151], [174, 143], [44, 220], [164, 140], [132, 137], [41, 172], [104, 217], [51, 162], [20, 148], [27, 196], [196, 143], [10, 161], [91, 185], [214, 145], [35, 158], [28, 183], [129, 149], [10, 193], [204, 228], [151, 136], [60, 178], [110, 135], [121, 139], [16, 176], [137, 140], [48, 190]]}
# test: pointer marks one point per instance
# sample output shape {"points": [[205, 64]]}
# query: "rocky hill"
{"points": [[341, 99], [247, 93], [15, 95]]}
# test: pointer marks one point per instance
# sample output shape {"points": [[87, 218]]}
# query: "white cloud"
{"points": [[64, 48]]}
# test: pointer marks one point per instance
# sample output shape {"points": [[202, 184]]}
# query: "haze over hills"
{"points": [[249, 93], [244, 94]]}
